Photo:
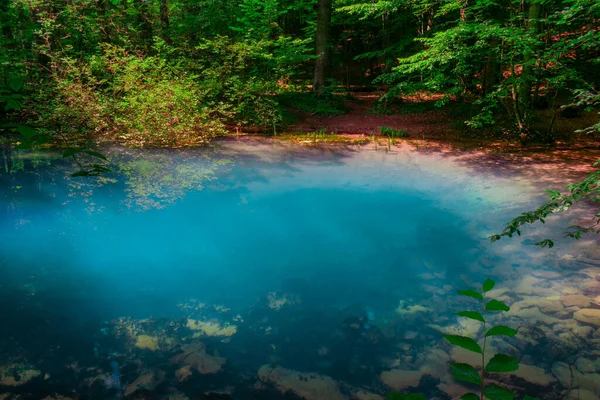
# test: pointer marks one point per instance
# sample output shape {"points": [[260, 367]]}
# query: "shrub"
{"points": [[392, 133]]}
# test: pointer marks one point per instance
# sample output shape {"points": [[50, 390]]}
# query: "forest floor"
{"points": [[423, 121]]}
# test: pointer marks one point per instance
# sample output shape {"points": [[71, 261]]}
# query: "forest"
{"points": [[172, 73], [300, 199]]}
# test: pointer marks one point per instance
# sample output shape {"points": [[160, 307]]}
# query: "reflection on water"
{"points": [[256, 271]]}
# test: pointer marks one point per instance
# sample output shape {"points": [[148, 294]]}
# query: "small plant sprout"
{"points": [[500, 363], [476, 375]]}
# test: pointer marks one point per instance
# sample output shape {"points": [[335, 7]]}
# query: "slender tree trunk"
{"points": [[103, 26], [533, 27], [322, 45], [490, 77], [144, 22], [164, 21]]}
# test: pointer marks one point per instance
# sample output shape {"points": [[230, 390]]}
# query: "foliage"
{"points": [[588, 189], [313, 105], [503, 58], [500, 363], [392, 133]]}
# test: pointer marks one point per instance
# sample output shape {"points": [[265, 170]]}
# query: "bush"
{"points": [[392, 133]]}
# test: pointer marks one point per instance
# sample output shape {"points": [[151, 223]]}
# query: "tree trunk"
{"points": [[164, 21], [144, 22], [322, 45], [533, 27], [103, 26], [491, 72]]}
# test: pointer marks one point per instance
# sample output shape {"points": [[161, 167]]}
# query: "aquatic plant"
{"points": [[499, 363]]}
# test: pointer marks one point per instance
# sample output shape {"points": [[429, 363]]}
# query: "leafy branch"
{"points": [[588, 189]]}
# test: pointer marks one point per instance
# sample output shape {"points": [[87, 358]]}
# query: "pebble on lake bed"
{"points": [[309, 386], [196, 356], [398, 379], [588, 315]]}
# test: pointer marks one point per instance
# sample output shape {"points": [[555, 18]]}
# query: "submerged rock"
{"points": [[305, 385], [570, 377], [585, 365], [146, 342], [581, 394], [365, 395], [533, 374], [588, 315], [147, 380], [17, 374], [398, 379], [195, 355], [578, 300], [183, 373]]}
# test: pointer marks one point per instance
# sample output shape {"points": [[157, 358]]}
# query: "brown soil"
{"points": [[432, 124], [439, 124]]}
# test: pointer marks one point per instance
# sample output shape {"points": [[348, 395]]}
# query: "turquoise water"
{"points": [[341, 238]]}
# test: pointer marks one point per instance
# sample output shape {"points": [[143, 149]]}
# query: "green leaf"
{"points": [[472, 315], [527, 397], [502, 363], [501, 330], [398, 396], [95, 154], [545, 242], [471, 293], [16, 84], [71, 152], [12, 104], [488, 285], [495, 305], [464, 342], [469, 396], [494, 392], [26, 131], [466, 373]]}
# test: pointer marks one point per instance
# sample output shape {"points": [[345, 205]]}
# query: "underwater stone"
{"points": [[183, 373], [545, 274], [398, 379], [533, 374], [17, 374], [570, 377], [550, 304], [581, 394], [147, 380], [577, 300], [588, 315], [195, 355], [585, 365], [364, 395], [146, 342], [309, 386], [534, 315]]}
